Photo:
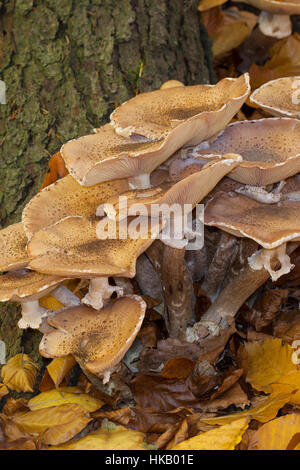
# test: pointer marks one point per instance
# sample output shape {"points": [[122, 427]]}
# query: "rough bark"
{"points": [[67, 64]]}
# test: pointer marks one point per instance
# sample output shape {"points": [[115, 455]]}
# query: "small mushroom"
{"points": [[274, 19], [27, 287], [279, 97], [13, 254], [97, 338], [270, 149], [66, 198]]}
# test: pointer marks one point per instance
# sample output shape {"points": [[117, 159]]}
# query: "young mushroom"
{"points": [[97, 338], [270, 149], [172, 117], [280, 97], [274, 19], [27, 287]]}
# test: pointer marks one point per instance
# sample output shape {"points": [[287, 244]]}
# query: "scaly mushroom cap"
{"points": [[19, 286], [66, 198], [190, 190], [196, 115], [98, 338], [71, 248], [158, 113], [270, 225], [270, 149], [281, 7], [106, 156], [276, 97], [13, 242]]}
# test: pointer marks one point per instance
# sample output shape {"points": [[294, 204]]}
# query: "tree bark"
{"points": [[67, 64]]}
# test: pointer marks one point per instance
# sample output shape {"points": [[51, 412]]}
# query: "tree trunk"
{"points": [[67, 64]]}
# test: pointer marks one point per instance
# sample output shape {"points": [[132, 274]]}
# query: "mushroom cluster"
{"points": [[176, 145]]}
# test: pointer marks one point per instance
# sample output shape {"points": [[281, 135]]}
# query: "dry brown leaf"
{"points": [[283, 62], [12, 406], [19, 444], [225, 437], [178, 367], [3, 390], [276, 434], [20, 373], [57, 169]]}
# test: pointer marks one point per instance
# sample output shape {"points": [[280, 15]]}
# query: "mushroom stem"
{"points": [[263, 258], [100, 292], [220, 264], [32, 315], [140, 182], [65, 296], [231, 298], [177, 286], [274, 25]]}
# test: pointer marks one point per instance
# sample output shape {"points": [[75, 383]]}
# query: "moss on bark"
{"points": [[67, 64]]}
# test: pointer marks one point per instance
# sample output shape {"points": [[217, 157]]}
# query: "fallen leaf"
{"points": [[267, 362], [20, 373], [63, 396], [225, 437], [59, 368], [177, 368], [115, 438], [71, 416], [57, 169], [277, 434], [207, 4], [3, 390]]}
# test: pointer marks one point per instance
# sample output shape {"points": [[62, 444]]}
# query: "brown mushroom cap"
{"points": [[276, 97], [98, 338], [280, 7], [190, 190], [270, 149], [13, 253], [158, 113], [66, 198], [71, 248], [19, 286], [270, 225]]}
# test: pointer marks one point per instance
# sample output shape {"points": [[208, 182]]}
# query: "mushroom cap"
{"points": [[270, 225], [19, 286], [189, 190], [13, 253], [280, 7], [98, 338], [270, 149], [106, 156], [71, 248], [66, 198], [156, 114], [276, 97], [171, 84]]}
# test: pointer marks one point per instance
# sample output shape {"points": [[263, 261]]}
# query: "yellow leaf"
{"points": [[268, 362], [277, 434], [59, 368], [62, 396], [288, 383], [50, 303], [3, 390], [20, 373], [117, 438], [207, 4], [225, 437], [70, 415], [265, 411]]}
